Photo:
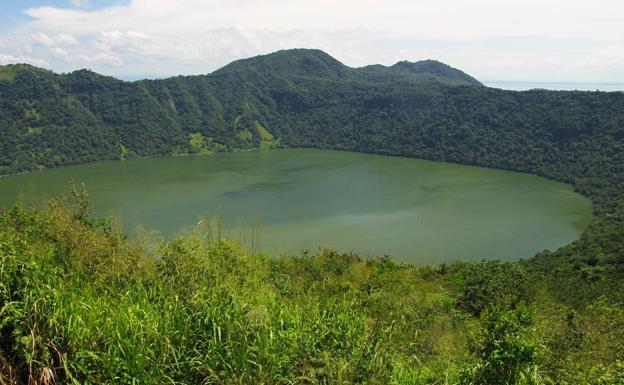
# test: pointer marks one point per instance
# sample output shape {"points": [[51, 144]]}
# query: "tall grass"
{"points": [[81, 304]]}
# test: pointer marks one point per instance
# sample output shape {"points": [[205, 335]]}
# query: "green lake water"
{"points": [[302, 199]]}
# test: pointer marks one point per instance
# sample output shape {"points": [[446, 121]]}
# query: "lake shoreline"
{"points": [[250, 190]]}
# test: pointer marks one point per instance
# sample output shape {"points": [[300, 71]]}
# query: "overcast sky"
{"points": [[524, 40]]}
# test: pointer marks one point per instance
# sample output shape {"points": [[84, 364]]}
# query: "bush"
{"points": [[493, 283], [502, 347]]}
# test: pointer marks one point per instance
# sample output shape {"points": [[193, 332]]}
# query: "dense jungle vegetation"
{"points": [[80, 303]]}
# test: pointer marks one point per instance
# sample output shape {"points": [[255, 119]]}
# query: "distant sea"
{"points": [[523, 86]]}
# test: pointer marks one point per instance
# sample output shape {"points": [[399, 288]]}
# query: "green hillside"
{"points": [[83, 305], [305, 98], [96, 116], [79, 303]]}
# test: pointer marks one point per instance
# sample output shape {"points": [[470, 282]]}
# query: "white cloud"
{"points": [[66, 39], [59, 53], [13, 59], [54, 40], [612, 55], [80, 3], [103, 58], [44, 39], [492, 39]]}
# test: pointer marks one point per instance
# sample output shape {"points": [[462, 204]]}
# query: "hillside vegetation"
{"points": [[79, 303], [50, 120], [82, 305], [306, 98]]}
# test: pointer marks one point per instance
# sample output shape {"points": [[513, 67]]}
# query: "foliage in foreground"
{"points": [[80, 304]]}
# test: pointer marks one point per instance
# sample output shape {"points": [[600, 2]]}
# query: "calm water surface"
{"points": [[414, 210]]}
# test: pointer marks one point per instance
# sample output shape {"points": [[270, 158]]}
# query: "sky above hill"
{"points": [[522, 40]]}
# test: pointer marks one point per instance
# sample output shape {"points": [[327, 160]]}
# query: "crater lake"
{"points": [[293, 200]]}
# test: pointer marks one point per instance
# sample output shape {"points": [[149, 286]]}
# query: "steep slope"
{"points": [[110, 119], [307, 98], [43, 126]]}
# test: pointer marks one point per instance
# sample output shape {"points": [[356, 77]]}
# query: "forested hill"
{"points": [[307, 98], [81, 303], [50, 120]]}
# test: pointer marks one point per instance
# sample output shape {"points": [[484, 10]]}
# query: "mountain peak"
{"points": [[10, 71], [314, 63], [89, 74], [435, 68], [297, 62]]}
